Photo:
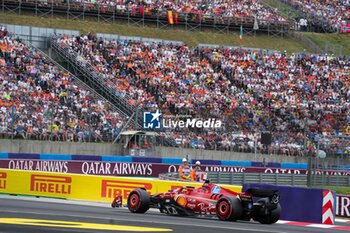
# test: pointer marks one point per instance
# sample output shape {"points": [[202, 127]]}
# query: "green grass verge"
{"points": [[338, 190], [283, 9], [341, 42], [190, 38], [337, 43]]}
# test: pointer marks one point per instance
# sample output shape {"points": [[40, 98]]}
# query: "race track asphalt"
{"points": [[31, 215]]}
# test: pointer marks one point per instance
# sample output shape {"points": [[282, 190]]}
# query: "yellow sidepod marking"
{"points": [[80, 225]]}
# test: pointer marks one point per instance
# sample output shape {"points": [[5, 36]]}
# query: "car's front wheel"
{"points": [[138, 201]]}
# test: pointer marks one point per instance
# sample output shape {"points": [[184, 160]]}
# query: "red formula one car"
{"points": [[210, 199]]}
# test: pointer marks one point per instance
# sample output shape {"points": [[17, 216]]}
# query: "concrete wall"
{"points": [[225, 155], [46, 147]]}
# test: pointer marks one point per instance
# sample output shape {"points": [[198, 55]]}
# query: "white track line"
{"points": [[325, 226], [343, 220]]}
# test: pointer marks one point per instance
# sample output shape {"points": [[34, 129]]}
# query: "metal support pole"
{"points": [[309, 170], [255, 147], [136, 117]]}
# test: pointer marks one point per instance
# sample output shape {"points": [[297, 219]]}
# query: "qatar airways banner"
{"points": [[135, 169]]}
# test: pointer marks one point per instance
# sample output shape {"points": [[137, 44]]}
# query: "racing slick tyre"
{"points": [[138, 201], [270, 216], [229, 208]]}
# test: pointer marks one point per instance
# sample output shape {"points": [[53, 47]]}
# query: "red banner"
{"points": [[176, 17], [136, 169]]}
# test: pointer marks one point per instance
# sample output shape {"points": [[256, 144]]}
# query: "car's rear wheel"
{"points": [[138, 201], [228, 209], [269, 216]]}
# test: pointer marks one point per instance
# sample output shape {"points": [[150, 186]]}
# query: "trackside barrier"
{"points": [[175, 161], [303, 204], [82, 187], [284, 167]]}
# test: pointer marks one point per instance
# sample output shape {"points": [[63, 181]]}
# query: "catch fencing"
{"points": [[278, 179], [269, 178], [37, 36]]}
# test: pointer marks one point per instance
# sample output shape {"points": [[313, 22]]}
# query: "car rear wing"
{"points": [[271, 196], [257, 192]]}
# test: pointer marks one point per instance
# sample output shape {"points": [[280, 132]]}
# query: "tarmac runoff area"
{"points": [[33, 215]]}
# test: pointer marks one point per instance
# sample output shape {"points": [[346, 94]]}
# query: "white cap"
{"points": [[184, 160], [198, 163]]}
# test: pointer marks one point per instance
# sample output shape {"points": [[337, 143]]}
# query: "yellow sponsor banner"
{"points": [[83, 187]]}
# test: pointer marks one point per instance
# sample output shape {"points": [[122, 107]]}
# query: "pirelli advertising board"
{"points": [[3, 179], [82, 187]]}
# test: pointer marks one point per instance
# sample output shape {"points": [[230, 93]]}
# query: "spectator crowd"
{"points": [[327, 14], [198, 9], [333, 12], [40, 101], [295, 96]]}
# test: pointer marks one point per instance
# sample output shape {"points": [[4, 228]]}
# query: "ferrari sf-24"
{"points": [[209, 199]]}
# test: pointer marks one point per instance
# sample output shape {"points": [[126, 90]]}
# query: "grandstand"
{"points": [[40, 101], [328, 16], [191, 15], [303, 98], [252, 90]]}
